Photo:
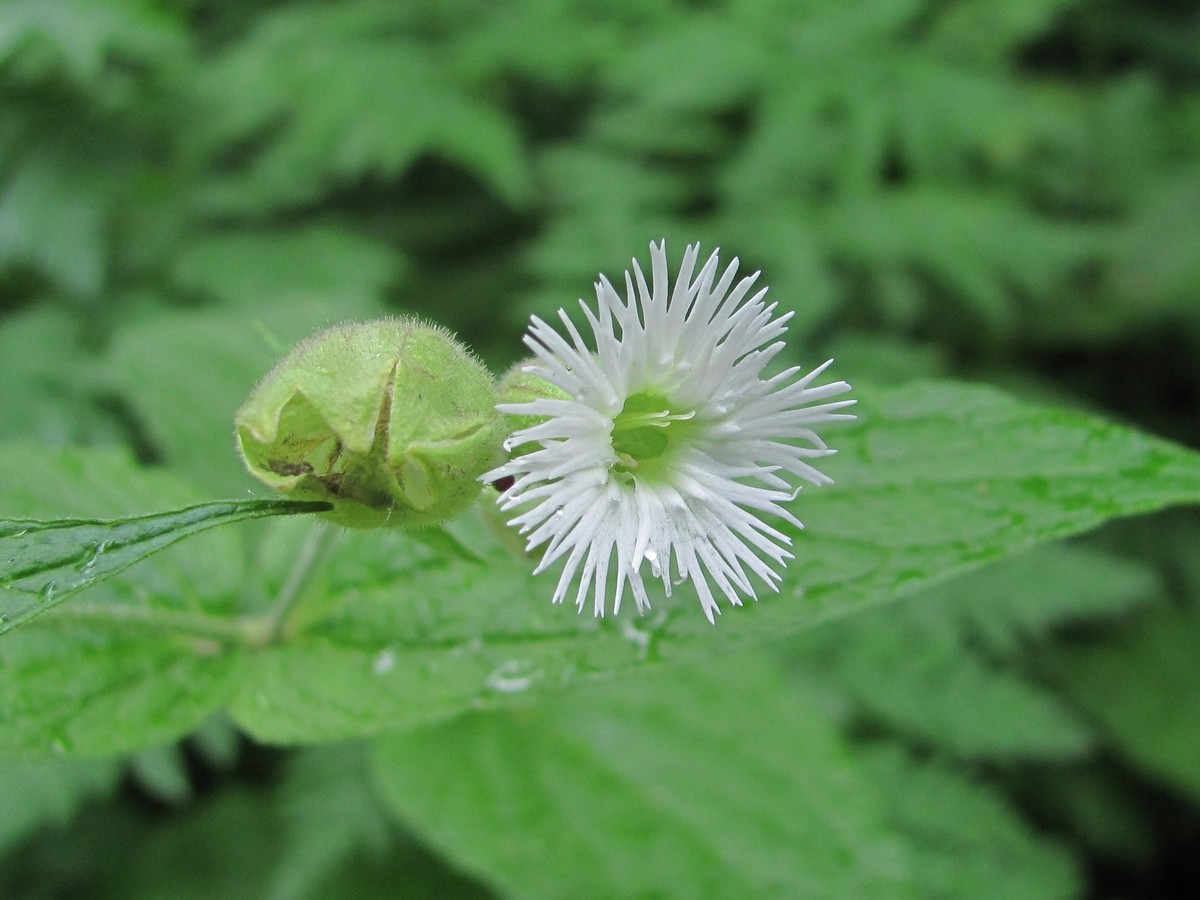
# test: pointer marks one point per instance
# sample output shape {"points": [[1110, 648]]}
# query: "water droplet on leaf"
{"points": [[384, 662], [513, 676]]}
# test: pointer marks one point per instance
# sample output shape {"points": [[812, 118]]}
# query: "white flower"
{"points": [[666, 446]]}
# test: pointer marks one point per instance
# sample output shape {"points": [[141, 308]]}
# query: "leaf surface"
{"points": [[143, 657], [46, 561], [717, 781], [681, 783], [935, 480]]}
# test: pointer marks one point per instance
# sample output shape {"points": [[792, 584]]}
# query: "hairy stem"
{"points": [[311, 552]]}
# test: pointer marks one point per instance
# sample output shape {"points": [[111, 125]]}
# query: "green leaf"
{"points": [[221, 849], [692, 782], [162, 773], [701, 62], [39, 794], [43, 399], [979, 246], [231, 844], [48, 561], [934, 480], [52, 215], [989, 30], [963, 839], [934, 665], [1143, 690], [247, 269], [329, 813], [1027, 598], [1098, 808], [331, 124], [924, 683], [143, 657], [95, 689], [80, 36]]}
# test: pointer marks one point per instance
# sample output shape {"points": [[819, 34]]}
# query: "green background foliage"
{"points": [[978, 678]]}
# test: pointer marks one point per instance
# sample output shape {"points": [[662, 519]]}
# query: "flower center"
{"points": [[644, 433]]}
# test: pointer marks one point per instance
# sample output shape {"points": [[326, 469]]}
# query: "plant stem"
{"points": [[247, 631], [311, 551], [225, 630]]}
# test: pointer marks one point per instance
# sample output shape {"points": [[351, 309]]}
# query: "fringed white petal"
{"points": [[702, 344]]}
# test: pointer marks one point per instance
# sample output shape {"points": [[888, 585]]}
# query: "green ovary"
{"points": [[646, 434]]}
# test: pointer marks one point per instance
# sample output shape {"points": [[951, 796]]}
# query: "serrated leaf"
{"points": [[332, 125], [52, 216], [86, 690], [924, 683], [45, 562], [689, 783], [934, 666], [1026, 598], [39, 794], [979, 246], [39, 401], [705, 62], [963, 839], [329, 814], [247, 269], [987, 30], [228, 846], [95, 676], [104, 483], [162, 773], [1143, 690], [935, 479], [79, 37]]}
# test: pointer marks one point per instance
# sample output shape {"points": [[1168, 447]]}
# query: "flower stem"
{"points": [[311, 551]]}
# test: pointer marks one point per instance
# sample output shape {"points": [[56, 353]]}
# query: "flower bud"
{"points": [[392, 421], [520, 386], [517, 386]]}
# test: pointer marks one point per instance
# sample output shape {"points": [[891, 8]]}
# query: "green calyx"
{"points": [[519, 386], [645, 434], [392, 421]]}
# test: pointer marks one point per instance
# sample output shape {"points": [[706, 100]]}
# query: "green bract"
{"points": [[392, 421], [520, 386], [517, 386]]}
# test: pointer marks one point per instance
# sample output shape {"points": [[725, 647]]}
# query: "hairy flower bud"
{"points": [[522, 386], [392, 421]]}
